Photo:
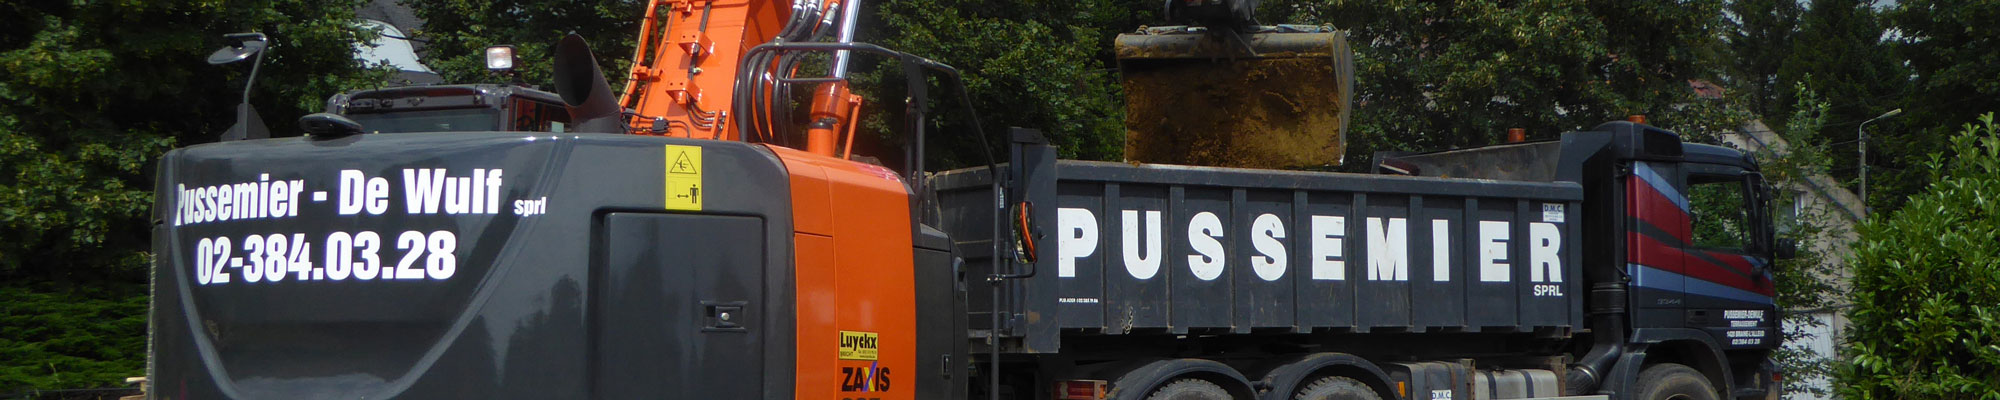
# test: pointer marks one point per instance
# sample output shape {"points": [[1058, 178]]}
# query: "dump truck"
{"points": [[701, 237], [1617, 261]]}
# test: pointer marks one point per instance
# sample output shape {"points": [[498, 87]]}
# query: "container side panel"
{"points": [[1545, 291], [1201, 286], [1264, 288], [1384, 237], [1490, 289], [1171, 249], [1135, 278], [1440, 286], [1325, 291], [1080, 263]]}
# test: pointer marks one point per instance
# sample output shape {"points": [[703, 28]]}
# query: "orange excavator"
{"points": [[684, 80], [702, 236], [723, 72]]}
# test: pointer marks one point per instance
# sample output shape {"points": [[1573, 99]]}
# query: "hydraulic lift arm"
{"points": [[684, 77]]}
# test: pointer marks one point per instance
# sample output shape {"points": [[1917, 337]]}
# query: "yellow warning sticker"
{"points": [[858, 345], [683, 183]]}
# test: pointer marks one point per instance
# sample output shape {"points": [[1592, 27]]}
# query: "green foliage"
{"points": [[1718, 214], [1430, 75], [71, 337], [1437, 75], [1760, 39], [1926, 289], [458, 32], [1806, 284], [1933, 59], [1954, 62], [1035, 64], [90, 94], [1806, 157], [1838, 51]]}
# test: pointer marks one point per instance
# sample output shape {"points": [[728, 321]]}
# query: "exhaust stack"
{"points": [[582, 86]]}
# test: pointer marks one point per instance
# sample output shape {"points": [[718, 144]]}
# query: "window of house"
{"points": [[1790, 212]]}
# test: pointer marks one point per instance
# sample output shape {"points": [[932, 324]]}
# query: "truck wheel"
{"points": [[1336, 388], [1673, 382], [1189, 389]]}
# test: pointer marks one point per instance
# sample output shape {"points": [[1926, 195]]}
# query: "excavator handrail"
{"points": [[916, 104], [917, 163], [857, 46]]}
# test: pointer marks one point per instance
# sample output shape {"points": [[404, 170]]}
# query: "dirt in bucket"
{"points": [[1269, 112]]}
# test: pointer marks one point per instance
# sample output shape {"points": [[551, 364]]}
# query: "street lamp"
{"points": [[1861, 135], [241, 47]]}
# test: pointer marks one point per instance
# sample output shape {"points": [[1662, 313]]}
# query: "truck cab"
{"points": [[453, 108], [1688, 230]]}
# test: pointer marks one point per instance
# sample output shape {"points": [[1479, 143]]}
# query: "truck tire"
{"points": [[1336, 388], [1673, 382], [1189, 389]]}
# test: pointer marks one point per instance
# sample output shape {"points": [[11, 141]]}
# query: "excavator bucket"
{"points": [[1278, 97]]}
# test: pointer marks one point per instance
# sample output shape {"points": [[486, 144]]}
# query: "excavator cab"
{"points": [[453, 108]]}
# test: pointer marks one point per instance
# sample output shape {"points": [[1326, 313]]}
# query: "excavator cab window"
{"points": [[453, 108], [447, 120], [529, 115]]}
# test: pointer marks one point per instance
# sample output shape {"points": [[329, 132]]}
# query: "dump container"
{"points": [[1149, 248]]}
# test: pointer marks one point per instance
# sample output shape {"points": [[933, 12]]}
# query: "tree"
{"points": [[1432, 76], [1926, 322], [1440, 75], [1839, 53], [90, 95], [1809, 284], [70, 338], [1955, 66], [456, 34], [1760, 37], [1062, 85], [1036, 64]]}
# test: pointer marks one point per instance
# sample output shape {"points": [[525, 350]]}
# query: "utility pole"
{"points": [[1861, 135]]}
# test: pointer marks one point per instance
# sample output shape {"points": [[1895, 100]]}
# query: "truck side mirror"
{"points": [[1787, 248]]}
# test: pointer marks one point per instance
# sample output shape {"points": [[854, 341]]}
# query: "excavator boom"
{"points": [[684, 71], [685, 77]]}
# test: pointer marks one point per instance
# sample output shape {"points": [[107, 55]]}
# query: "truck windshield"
{"points": [[463, 119]]}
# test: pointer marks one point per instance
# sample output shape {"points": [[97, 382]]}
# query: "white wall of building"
{"points": [[1823, 196]]}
